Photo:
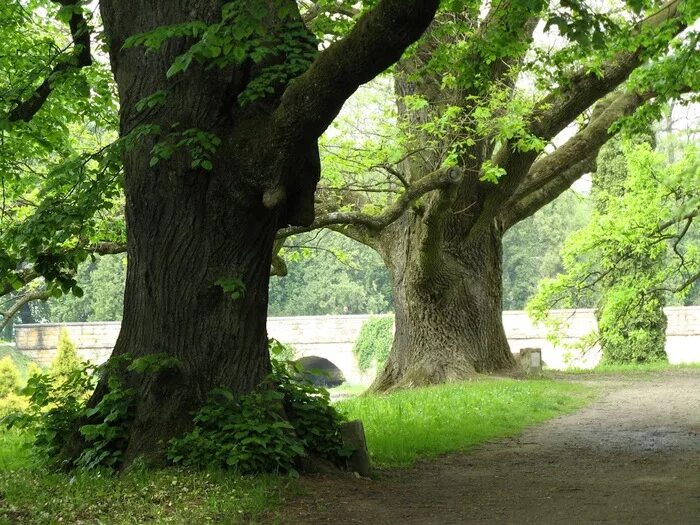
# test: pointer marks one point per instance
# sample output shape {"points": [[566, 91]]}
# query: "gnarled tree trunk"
{"points": [[448, 325]]}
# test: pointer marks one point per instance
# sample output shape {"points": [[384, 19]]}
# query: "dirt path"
{"points": [[633, 456]]}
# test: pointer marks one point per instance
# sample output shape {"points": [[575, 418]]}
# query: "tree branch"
{"points": [[79, 58], [561, 107], [379, 38], [550, 176], [32, 295], [529, 204], [443, 178], [28, 274]]}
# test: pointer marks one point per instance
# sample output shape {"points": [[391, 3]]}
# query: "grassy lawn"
{"points": [[643, 368], [405, 426], [401, 428], [30, 494]]}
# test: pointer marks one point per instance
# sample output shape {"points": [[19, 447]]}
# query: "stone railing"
{"points": [[307, 333]]}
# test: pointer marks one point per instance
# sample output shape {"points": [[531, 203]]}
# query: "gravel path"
{"points": [[632, 456]]}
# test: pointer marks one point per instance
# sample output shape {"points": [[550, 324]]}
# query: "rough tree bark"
{"points": [[450, 328], [188, 228]]}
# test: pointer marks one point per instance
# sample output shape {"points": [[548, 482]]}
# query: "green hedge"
{"points": [[374, 342]]}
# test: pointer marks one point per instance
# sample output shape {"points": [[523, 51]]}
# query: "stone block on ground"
{"points": [[531, 360], [353, 434]]}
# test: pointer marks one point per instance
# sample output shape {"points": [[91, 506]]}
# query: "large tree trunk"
{"points": [[192, 233], [229, 171], [448, 327], [181, 242]]}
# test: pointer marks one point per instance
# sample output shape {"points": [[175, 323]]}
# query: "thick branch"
{"points": [[561, 107], [531, 203], [439, 179], [315, 10], [25, 277], [28, 274], [80, 57], [550, 176], [582, 89], [379, 38], [34, 295]]}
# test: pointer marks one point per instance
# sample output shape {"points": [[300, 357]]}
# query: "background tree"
{"points": [[532, 247], [330, 274], [631, 257], [496, 141]]}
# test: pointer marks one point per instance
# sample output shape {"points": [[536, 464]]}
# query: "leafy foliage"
{"points": [[9, 377], [374, 342], [532, 248], [66, 360], [243, 33], [630, 257], [267, 430], [330, 274], [55, 405]]}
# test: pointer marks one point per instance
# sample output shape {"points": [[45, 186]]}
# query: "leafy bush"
{"points": [[279, 351], [374, 342], [108, 432], [9, 377], [632, 330], [66, 360], [55, 406], [248, 435], [309, 410], [22, 362], [12, 404], [265, 431]]}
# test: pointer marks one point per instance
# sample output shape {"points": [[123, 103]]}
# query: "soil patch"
{"points": [[632, 456]]}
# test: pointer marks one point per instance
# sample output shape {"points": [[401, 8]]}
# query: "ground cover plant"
{"points": [[34, 495]]}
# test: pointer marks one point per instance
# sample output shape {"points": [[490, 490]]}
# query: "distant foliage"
{"points": [[9, 377], [268, 430], [374, 342], [338, 277], [11, 405], [102, 281], [633, 255], [532, 248], [66, 360]]}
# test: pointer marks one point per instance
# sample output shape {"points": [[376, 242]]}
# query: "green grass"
{"points": [[405, 426], [347, 390], [401, 428], [641, 368], [34, 495]]}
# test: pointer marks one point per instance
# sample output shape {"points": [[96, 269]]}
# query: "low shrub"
{"points": [[374, 342], [268, 430], [9, 377], [12, 404], [280, 351], [57, 405], [66, 360], [53, 407]]}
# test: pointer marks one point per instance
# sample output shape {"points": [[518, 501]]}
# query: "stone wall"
{"points": [[332, 337]]}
